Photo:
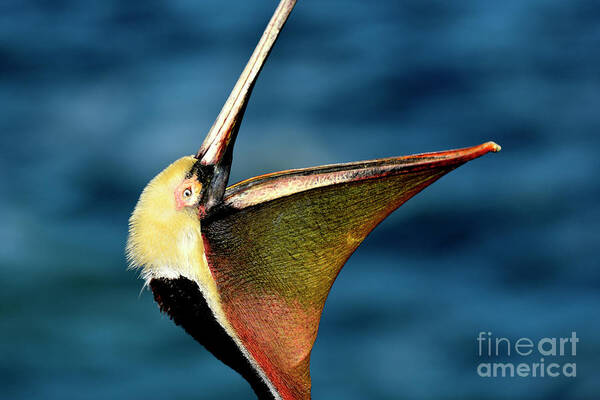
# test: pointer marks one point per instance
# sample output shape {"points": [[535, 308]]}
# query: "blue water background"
{"points": [[96, 97]]}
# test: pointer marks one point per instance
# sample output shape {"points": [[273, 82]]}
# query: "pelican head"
{"points": [[164, 228]]}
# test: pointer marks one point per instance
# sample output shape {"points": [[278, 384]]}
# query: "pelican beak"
{"points": [[216, 152]]}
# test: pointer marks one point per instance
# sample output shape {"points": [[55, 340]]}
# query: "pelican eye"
{"points": [[187, 193]]}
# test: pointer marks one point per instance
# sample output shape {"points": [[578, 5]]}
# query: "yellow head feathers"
{"points": [[164, 229]]}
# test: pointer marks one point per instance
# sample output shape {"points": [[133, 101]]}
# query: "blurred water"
{"points": [[97, 97]]}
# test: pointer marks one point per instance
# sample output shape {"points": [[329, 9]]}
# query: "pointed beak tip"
{"points": [[493, 146]]}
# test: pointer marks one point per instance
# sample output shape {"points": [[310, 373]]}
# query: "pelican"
{"points": [[246, 269]]}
